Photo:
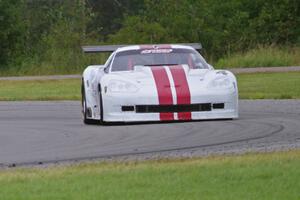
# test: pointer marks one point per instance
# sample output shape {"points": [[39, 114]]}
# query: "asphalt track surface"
{"points": [[49, 132]]}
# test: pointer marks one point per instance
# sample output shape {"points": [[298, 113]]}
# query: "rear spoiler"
{"points": [[112, 48]]}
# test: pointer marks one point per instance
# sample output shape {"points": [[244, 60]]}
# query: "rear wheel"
{"points": [[85, 111]]}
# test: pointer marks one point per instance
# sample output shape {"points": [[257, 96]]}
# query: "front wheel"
{"points": [[86, 120]]}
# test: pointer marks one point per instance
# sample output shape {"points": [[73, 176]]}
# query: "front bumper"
{"points": [[113, 103]]}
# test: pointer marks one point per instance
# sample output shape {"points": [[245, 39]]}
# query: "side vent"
{"points": [[89, 112]]}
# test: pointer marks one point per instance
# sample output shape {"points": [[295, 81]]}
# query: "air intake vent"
{"points": [[173, 108], [127, 108], [218, 106]]}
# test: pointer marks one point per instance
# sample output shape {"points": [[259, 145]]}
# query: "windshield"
{"points": [[126, 60]]}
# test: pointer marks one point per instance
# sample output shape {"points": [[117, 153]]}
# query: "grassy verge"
{"points": [[262, 57], [253, 176], [68, 89], [269, 85], [251, 86]]}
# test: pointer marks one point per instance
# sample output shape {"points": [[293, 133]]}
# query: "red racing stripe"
{"points": [[164, 46], [182, 90], [146, 46], [163, 89]]}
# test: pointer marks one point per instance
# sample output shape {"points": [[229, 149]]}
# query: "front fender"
{"points": [[91, 78]]}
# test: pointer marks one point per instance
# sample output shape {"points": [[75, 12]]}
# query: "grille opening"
{"points": [[127, 108], [173, 108], [218, 106]]}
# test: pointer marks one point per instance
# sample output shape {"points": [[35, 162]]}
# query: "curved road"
{"points": [[48, 132]]}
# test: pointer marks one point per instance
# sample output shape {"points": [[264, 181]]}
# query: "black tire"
{"points": [[84, 108], [101, 106]]}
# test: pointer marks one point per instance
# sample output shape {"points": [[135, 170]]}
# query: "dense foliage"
{"points": [[48, 33], [11, 31]]}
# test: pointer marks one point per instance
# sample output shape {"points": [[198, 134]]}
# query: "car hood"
{"points": [[144, 75]]}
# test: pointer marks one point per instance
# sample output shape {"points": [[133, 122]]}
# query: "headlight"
{"points": [[121, 86], [221, 82]]}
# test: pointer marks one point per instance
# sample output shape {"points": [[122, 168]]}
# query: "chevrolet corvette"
{"points": [[141, 83]]}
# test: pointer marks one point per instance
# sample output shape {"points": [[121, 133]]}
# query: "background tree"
{"points": [[108, 16], [47, 34], [11, 32]]}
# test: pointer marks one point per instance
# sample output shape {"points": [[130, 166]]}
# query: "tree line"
{"points": [[34, 32]]}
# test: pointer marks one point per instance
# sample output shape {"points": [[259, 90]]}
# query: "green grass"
{"points": [[262, 57], [252, 176], [269, 85], [68, 89], [251, 86], [59, 63]]}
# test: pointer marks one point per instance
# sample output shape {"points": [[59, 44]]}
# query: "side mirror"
{"points": [[105, 69]]}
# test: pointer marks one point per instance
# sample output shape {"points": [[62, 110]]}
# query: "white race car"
{"points": [[156, 83]]}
